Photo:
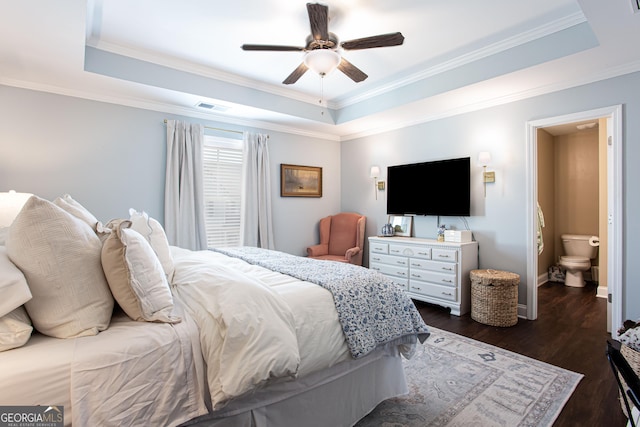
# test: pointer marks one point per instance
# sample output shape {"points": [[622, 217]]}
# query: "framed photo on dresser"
{"points": [[402, 225]]}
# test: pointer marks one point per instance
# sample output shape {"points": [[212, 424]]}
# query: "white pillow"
{"points": [[14, 290], [155, 235], [135, 275], [67, 203], [15, 329], [3, 235], [59, 256]]}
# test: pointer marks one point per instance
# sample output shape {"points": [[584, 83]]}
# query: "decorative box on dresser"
{"points": [[430, 271]]}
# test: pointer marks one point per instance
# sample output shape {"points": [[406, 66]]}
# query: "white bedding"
{"points": [[295, 322], [113, 378], [243, 327]]}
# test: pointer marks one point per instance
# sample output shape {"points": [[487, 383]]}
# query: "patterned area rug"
{"points": [[457, 381]]}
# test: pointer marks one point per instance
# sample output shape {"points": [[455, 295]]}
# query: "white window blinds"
{"points": [[222, 163]]}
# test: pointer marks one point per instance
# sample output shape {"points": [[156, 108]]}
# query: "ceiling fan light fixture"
{"points": [[322, 61]]}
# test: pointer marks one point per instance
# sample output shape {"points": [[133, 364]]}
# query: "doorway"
{"points": [[613, 116]]}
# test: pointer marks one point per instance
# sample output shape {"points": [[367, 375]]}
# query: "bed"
{"points": [[239, 337]]}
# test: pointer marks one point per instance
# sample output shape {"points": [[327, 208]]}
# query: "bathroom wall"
{"points": [[571, 178], [576, 185], [546, 200]]}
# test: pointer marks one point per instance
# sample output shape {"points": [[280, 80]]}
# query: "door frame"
{"points": [[613, 114]]}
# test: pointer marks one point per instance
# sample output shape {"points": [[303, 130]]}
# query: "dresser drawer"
{"points": [[388, 259], [440, 266], [450, 255], [403, 283], [444, 279], [429, 270], [377, 247], [410, 251], [391, 270], [435, 291]]}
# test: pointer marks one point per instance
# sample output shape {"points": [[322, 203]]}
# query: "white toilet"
{"points": [[579, 251]]}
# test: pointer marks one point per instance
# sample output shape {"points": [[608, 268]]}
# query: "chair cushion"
{"points": [[343, 233]]}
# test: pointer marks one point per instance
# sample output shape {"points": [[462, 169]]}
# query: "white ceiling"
{"points": [[458, 55]]}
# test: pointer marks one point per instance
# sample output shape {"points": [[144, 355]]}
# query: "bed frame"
{"points": [[338, 396]]}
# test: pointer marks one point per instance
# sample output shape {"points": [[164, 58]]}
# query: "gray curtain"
{"points": [[183, 194], [257, 223]]}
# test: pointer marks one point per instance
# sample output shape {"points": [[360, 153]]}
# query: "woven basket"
{"points": [[494, 297], [633, 358]]}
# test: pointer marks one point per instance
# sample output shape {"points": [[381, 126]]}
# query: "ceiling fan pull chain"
{"points": [[321, 94]]}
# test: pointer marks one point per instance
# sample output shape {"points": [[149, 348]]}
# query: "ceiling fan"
{"points": [[322, 48]]}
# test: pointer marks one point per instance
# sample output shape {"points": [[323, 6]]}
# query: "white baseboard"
{"points": [[603, 292], [542, 279], [522, 311]]}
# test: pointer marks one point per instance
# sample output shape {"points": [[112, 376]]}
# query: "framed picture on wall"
{"points": [[402, 225], [300, 181]]}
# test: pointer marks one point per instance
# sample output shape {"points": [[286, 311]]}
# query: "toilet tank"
{"points": [[578, 245]]}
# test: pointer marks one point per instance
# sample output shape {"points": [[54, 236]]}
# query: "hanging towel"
{"points": [[540, 225]]}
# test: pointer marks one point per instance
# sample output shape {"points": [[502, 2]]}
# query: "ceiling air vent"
{"points": [[211, 107]]}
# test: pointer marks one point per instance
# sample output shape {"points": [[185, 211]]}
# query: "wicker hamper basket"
{"points": [[633, 358], [494, 297]]}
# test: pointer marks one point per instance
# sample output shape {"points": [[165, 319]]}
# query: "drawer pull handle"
{"points": [[416, 276], [376, 259], [447, 268], [422, 253], [395, 252], [413, 288], [376, 268], [447, 281], [401, 273], [401, 262], [444, 256], [447, 293]]}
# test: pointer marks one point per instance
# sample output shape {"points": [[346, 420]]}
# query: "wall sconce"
{"points": [[377, 185], [10, 205], [484, 159]]}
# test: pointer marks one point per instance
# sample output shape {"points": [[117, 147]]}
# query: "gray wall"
{"points": [[111, 158], [499, 221]]}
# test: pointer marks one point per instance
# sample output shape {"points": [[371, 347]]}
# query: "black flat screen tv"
{"points": [[439, 187]]}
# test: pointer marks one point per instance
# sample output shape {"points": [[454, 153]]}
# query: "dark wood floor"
{"points": [[570, 332]]}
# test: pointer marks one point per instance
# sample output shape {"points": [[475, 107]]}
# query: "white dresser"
{"points": [[431, 271]]}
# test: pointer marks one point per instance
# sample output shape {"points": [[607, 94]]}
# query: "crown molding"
{"points": [[204, 71], [495, 48], [167, 108], [208, 72], [609, 73]]}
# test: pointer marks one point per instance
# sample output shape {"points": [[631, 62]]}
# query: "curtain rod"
{"points": [[219, 129]]}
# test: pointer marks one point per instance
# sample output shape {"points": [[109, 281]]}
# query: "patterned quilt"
{"points": [[372, 309]]}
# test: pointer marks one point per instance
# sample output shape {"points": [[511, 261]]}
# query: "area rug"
{"points": [[457, 381]]}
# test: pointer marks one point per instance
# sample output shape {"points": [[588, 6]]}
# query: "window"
{"points": [[222, 163]]}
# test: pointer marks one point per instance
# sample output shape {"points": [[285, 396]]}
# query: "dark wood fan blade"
{"points": [[271, 47], [319, 20], [353, 72], [297, 73], [382, 40]]}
